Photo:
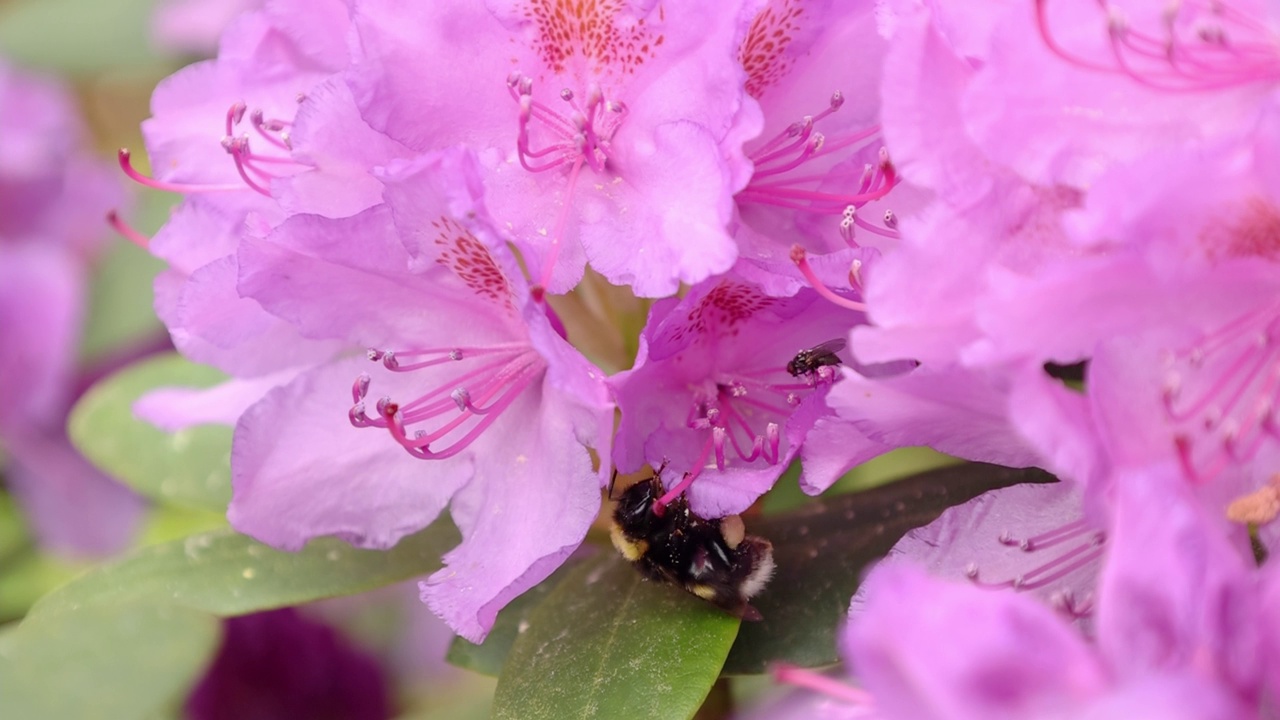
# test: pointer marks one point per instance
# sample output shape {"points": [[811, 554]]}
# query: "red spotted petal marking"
{"points": [[597, 31], [763, 53], [468, 259]]}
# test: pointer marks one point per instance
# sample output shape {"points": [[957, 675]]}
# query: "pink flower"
{"points": [[471, 376], [264, 131], [609, 132], [53, 198], [1032, 539], [711, 395], [1179, 319], [1178, 625]]}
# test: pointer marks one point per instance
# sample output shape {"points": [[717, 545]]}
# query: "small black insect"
{"points": [[808, 362], [712, 558]]}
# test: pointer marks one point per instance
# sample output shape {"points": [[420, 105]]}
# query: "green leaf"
{"points": [[822, 549], [105, 661], [225, 573], [487, 658], [608, 644], [190, 468], [27, 577], [78, 36]]}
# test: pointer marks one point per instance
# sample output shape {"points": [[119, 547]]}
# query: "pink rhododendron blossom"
{"points": [[53, 197], [264, 131], [1179, 319], [1177, 622], [609, 132], [711, 394], [1101, 83], [473, 399]]}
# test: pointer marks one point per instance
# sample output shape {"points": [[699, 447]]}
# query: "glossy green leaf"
{"points": [[225, 573], [113, 662], [488, 657], [608, 644], [822, 549], [191, 467]]}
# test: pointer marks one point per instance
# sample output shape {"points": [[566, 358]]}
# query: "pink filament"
{"points": [[820, 683], [1061, 566], [126, 165], [801, 260], [127, 231], [1214, 65], [562, 221], [510, 369], [660, 505]]}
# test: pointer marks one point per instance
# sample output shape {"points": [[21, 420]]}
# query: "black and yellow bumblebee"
{"points": [[712, 558], [809, 360]]}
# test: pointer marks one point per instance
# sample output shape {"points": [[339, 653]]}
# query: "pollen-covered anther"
{"points": [[1259, 507]]}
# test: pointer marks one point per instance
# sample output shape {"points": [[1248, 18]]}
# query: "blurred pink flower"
{"points": [[54, 197]]}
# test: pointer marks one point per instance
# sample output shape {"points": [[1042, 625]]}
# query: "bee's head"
{"points": [[635, 504]]}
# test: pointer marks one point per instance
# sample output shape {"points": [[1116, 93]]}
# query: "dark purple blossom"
{"points": [[280, 665]]}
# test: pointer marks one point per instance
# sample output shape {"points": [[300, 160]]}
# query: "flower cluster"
{"points": [[1029, 233]]}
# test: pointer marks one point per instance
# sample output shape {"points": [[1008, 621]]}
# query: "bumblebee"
{"points": [[712, 558], [808, 362]]}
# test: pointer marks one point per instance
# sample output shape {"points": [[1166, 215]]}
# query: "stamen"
{"points": [[1085, 547], [810, 680], [660, 505], [775, 183], [855, 274], [126, 230], [1212, 58], [1220, 394], [507, 371], [246, 162], [581, 138], [801, 260], [126, 165]]}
